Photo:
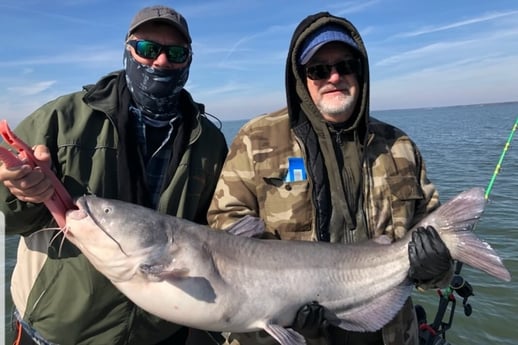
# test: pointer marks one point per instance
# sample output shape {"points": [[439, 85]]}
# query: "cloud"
{"points": [[272, 31], [428, 50], [458, 24], [239, 106], [353, 7], [32, 89], [478, 81], [89, 56], [27, 10]]}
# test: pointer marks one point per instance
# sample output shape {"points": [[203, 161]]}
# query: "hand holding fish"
{"points": [[311, 321], [431, 264], [29, 177], [29, 183]]}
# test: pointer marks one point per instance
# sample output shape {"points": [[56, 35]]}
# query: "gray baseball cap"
{"points": [[164, 14]]}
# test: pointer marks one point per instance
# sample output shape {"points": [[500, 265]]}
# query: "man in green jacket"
{"points": [[322, 169], [135, 135]]}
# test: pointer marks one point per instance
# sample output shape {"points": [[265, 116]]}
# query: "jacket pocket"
{"points": [[287, 208], [405, 192]]}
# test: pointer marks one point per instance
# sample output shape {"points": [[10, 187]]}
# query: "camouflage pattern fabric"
{"points": [[252, 182]]}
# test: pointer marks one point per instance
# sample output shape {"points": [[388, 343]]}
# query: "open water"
{"points": [[461, 146]]}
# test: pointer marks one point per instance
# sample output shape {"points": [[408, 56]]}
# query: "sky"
{"points": [[421, 53]]}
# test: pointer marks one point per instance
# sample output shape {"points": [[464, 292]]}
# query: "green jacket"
{"points": [[364, 179], [54, 287]]}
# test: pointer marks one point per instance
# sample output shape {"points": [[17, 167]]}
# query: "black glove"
{"points": [[310, 321], [430, 260]]}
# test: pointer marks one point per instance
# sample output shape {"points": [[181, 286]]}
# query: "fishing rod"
{"points": [[435, 333], [502, 155]]}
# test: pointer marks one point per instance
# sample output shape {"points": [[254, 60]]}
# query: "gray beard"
{"points": [[337, 109]]}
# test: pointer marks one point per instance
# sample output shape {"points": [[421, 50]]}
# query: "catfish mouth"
{"points": [[85, 212], [79, 212]]}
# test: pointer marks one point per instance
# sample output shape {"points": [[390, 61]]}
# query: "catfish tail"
{"points": [[455, 222]]}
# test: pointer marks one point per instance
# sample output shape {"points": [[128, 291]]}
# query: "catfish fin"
{"points": [[285, 336], [455, 222], [375, 314], [248, 226]]}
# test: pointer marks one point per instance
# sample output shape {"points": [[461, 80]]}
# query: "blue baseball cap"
{"points": [[321, 36]]}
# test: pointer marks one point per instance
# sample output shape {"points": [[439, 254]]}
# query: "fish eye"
{"points": [[107, 210]]}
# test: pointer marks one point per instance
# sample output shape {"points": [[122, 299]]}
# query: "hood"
{"points": [[334, 151], [297, 95]]}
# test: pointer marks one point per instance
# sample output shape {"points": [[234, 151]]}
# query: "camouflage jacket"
{"points": [[397, 192]]}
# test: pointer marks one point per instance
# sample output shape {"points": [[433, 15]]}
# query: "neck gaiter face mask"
{"points": [[154, 91]]}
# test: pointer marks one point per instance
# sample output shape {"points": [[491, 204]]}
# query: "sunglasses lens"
{"points": [[147, 49], [347, 67], [319, 72], [177, 54]]}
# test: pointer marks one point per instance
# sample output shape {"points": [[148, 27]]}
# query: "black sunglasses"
{"points": [[151, 50], [322, 71]]}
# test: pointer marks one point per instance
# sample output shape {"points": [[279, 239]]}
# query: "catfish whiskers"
{"points": [[59, 231]]}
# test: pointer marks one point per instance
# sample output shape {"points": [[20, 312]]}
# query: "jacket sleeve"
{"points": [[235, 195]]}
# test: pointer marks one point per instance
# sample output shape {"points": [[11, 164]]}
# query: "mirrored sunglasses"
{"points": [[151, 50], [322, 71]]}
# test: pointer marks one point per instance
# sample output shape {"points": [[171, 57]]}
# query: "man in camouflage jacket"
{"points": [[360, 177]]}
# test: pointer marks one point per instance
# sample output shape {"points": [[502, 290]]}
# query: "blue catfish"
{"points": [[192, 275]]}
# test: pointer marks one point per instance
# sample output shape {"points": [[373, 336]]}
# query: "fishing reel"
{"points": [[435, 333], [464, 290]]}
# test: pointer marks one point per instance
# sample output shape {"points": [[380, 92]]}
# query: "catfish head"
{"points": [[122, 240]]}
